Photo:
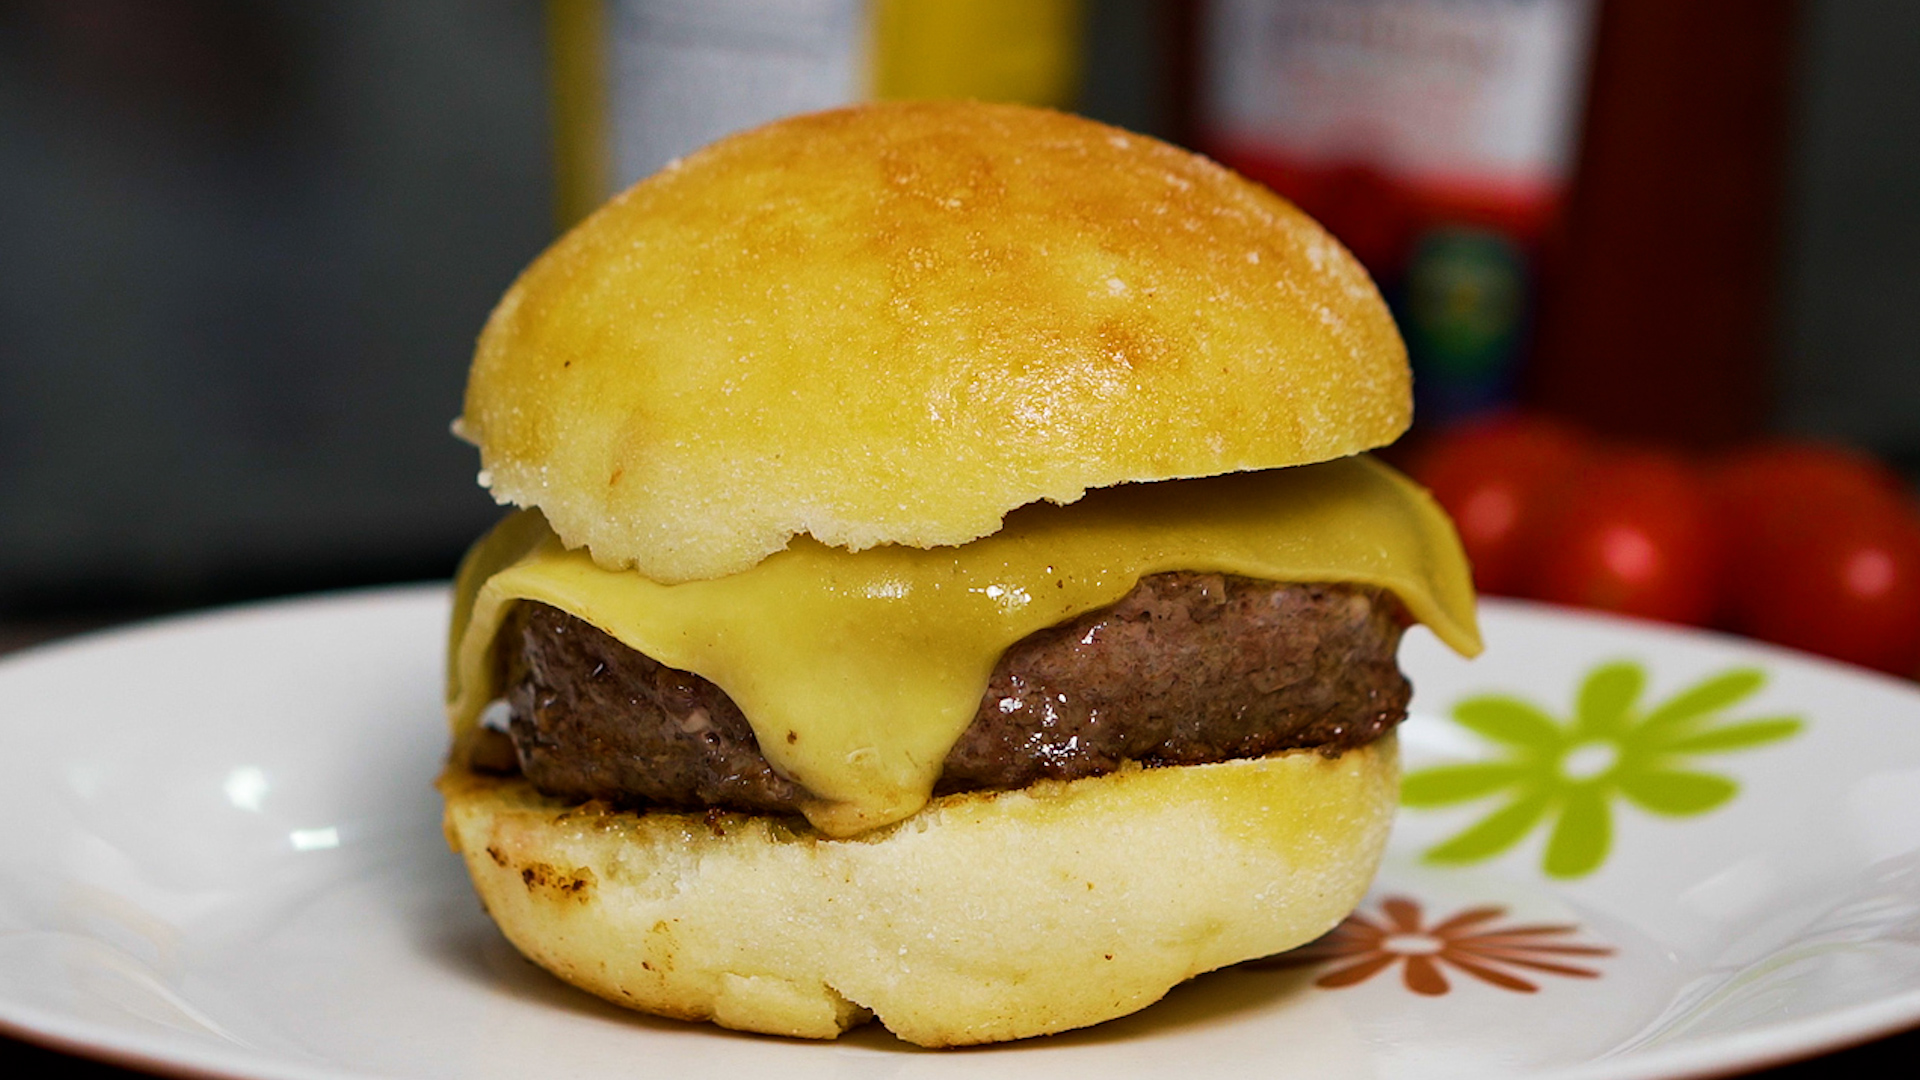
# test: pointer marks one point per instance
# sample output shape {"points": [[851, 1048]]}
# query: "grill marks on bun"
{"points": [[988, 916]]}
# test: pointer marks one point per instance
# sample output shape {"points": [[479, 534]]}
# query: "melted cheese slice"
{"points": [[858, 671]]}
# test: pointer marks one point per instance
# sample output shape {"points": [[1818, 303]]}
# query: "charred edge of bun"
{"points": [[985, 917]]}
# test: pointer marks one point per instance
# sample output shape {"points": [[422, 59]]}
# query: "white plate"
{"points": [[222, 855]]}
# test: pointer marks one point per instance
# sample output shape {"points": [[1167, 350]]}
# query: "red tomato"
{"points": [[1493, 477], [1849, 589], [1754, 473], [1767, 494], [1632, 533], [1824, 553]]}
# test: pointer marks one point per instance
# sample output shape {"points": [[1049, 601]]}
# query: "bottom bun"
{"points": [[985, 917]]}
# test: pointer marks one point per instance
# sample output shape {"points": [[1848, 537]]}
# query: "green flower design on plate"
{"points": [[1570, 773]]}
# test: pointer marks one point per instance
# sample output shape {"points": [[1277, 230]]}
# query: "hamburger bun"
{"points": [[985, 917], [871, 334], [893, 324]]}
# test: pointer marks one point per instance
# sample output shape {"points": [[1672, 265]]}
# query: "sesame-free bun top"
{"points": [[895, 323]]}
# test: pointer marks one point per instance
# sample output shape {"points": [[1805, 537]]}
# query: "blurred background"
{"points": [[249, 243]]}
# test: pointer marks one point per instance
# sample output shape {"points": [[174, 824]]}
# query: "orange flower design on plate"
{"points": [[1365, 947]]}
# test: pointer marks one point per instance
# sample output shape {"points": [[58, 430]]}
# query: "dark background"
{"points": [[248, 244], [248, 247]]}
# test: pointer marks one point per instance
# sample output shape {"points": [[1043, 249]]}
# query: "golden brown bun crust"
{"points": [[985, 917], [894, 323]]}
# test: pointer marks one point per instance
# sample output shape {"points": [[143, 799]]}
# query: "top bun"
{"points": [[895, 323]]}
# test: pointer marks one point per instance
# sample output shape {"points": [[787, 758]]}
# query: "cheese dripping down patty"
{"points": [[858, 671]]}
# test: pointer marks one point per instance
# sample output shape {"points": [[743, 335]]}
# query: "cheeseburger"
{"points": [[948, 585]]}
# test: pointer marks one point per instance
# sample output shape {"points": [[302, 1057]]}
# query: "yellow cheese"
{"points": [[859, 670]]}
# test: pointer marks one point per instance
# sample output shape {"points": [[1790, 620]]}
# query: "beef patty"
{"points": [[1185, 669]]}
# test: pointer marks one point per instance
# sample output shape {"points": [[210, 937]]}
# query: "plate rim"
{"points": [[1721, 1054]]}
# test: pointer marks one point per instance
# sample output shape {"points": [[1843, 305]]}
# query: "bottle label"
{"points": [[1472, 103], [683, 73]]}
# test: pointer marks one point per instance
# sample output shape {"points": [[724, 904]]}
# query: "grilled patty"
{"points": [[1185, 669]]}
